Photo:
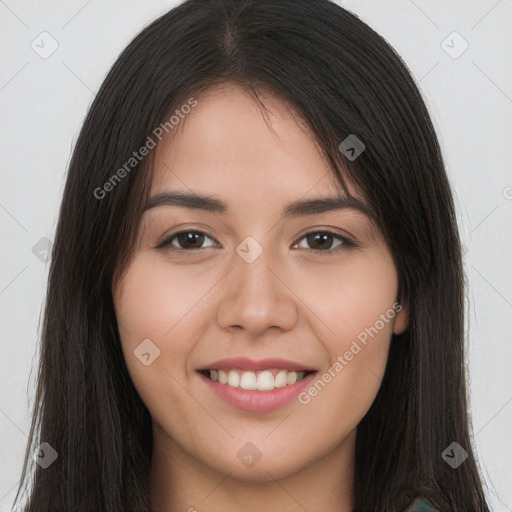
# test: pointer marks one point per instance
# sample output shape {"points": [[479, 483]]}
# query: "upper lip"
{"points": [[245, 363]]}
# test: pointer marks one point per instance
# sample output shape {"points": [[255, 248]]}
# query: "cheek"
{"points": [[151, 304], [350, 297], [154, 301], [354, 307]]}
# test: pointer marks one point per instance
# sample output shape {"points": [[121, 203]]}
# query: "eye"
{"points": [[188, 241], [321, 242]]}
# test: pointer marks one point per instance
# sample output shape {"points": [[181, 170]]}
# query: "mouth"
{"points": [[255, 380], [256, 386]]}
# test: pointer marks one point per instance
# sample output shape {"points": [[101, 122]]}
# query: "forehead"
{"points": [[231, 143]]}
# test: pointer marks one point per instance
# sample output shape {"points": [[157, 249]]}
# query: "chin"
{"points": [[264, 470]]}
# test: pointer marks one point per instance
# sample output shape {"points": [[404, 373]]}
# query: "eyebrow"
{"points": [[295, 209]]}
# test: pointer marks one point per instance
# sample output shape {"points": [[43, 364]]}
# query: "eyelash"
{"points": [[346, 242]]}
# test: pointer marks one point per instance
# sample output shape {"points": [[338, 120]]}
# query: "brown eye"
{"points": [[190, 239], [322, 242], [186, 241]]}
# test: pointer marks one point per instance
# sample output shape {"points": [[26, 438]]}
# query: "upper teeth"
{"points": [[265, 380]]}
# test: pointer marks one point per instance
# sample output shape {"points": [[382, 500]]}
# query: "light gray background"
{"points": [[43, 103]]}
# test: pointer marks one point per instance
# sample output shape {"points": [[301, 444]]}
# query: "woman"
{"points": [[256, 292]]}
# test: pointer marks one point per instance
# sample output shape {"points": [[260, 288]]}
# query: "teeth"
{"points": [[291, 378], [265, 380], [248, 381], [280, 379], [233, 379]]}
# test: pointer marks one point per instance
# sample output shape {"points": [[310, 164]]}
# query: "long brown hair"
{"points": [[342, 78]]}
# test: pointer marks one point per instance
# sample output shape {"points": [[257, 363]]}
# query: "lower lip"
{"points": [[259, 401]]}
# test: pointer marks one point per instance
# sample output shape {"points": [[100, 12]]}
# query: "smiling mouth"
{"points": [[258, 380]]}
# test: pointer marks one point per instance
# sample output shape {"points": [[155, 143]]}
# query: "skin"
{"points": [[289, 303]]}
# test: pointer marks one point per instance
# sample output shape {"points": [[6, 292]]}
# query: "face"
{"points": [[294, 308]]}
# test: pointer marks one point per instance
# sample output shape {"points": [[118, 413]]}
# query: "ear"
{"points": [[401, 321]]}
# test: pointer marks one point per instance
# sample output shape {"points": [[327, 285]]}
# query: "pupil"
{"points": [[321, 238], [192, 238]]}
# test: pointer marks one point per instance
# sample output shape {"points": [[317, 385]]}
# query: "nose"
{"points": [[257, 297]]}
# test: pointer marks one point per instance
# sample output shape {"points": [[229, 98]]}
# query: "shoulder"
{"points": [[420, 504]]}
